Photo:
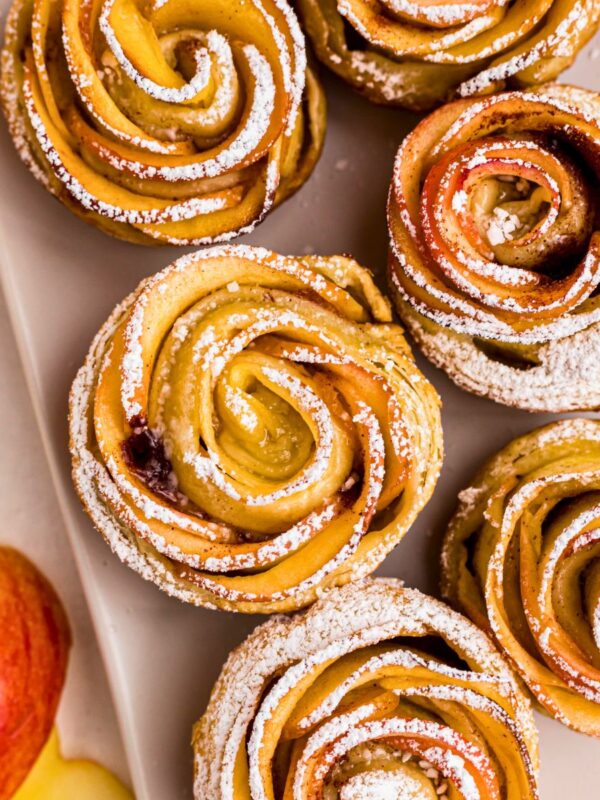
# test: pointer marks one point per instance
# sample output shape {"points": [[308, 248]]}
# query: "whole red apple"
{"points": [[34, 647]]}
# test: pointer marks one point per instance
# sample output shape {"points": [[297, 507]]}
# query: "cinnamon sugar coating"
{"points": [[419, 54], [495, 247]]}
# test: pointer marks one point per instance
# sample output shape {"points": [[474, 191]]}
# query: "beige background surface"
{"points": [[162, 657]]}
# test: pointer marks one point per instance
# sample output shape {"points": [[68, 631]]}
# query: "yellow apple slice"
{"points": [[56, 778]]}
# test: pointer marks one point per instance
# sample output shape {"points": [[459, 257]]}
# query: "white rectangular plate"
{"points": [[62, 278]]}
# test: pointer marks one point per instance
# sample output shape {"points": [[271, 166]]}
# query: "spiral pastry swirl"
{"points": [[165, 121], [419, 54], [248, 428], [522, 559], [376, 691], [495, 245]]}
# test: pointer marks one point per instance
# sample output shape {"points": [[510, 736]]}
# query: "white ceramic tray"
{"points": [[62, 278]]}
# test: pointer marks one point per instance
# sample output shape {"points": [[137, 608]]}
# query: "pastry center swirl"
{"points": [[493, 218], [281, 433], [200, 96], [510, 202], [376, 771]]}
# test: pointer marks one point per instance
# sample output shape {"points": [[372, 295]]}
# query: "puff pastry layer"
{"points": [[248, 428], [376, 691], [495, 246], [421, 53], [522, 559], [171, 122]]}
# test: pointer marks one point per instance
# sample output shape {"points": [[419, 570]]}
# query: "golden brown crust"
{"points": [[160, 123], [495, 247], [347, 701], [249, 428], [522, 559], [419, 54]]}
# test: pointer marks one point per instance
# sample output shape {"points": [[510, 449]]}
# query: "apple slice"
{"points": [[54, 778], [34, 647]]}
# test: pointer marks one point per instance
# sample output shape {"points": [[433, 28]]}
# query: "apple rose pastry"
{"points": [[376, 691], [522, 559], [495, 245], [420, 53], [163, 122], [249, 428]]}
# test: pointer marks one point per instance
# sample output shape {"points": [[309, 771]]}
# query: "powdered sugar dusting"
{"points": [[349, 750], [475, 279], [420, 54], [245, 308], [519, 496], [227, 120]]}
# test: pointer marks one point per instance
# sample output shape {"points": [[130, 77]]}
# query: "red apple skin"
{"points": [[34, 649]]}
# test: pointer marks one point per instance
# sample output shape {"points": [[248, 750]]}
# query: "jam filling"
{"points": [[145, 455]]}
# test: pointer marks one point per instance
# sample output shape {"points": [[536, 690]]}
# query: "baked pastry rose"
{"points": [[522, 559], [163, 122], [495, 245], [248, 428], [376, 691], [421, 53]]}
